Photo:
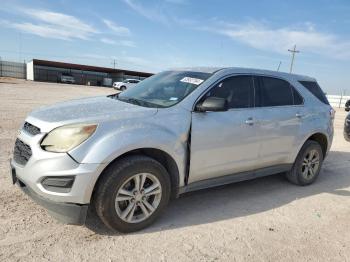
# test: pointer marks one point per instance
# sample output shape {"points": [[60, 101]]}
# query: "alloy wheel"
{"points": [[138, 197], [310, 165]]}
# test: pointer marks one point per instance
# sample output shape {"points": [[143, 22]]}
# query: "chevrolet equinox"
{"points": [[128, 154]]}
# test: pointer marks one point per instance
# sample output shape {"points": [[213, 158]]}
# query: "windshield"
{"points": [[164, 89]]}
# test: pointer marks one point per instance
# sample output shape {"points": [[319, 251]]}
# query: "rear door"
{"points": [[279, 120], [224, 143]]}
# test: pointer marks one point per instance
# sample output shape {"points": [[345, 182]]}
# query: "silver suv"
{"points": [[127, 155]]}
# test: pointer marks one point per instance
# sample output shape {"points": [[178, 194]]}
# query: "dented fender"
{"points": [[167, 130]]}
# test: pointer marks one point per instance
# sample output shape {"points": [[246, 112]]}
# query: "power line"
{"points": [[293, 51]]}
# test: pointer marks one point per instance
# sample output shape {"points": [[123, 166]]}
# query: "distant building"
{"points": [[51, 71]]}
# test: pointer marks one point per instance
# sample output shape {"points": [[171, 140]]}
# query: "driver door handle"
{"points": [[250, 121]]}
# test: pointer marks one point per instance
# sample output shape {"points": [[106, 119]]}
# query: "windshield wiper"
{"points": [[130, 100], [138, 102]]}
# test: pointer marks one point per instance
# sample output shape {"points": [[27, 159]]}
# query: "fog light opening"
{"points": [[62, 184]]}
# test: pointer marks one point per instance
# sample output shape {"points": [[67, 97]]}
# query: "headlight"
{"points": [[65, 138]]}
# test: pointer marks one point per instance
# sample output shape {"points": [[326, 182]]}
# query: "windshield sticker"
{"points": [[190, 80], [173, 98]]}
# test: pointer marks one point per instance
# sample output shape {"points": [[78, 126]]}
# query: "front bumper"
{"points": [[67, 213], [68, 207], [44, 164]]}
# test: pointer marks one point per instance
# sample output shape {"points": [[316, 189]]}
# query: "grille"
{"points": [[29, 128], [21, 152]]}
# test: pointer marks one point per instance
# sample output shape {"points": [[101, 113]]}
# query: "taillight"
{"points": [[332, 113]]}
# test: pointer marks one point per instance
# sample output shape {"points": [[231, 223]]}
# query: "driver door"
{"points": [[224, 143]]}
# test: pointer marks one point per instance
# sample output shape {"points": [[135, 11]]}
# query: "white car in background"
{"points": [[67, 78], [125, 84]]}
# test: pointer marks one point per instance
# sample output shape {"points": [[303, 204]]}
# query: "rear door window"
{"points": [[275, 92], [316, 90]]}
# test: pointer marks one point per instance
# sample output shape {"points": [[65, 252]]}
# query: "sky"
{"points": [[156, 35]]}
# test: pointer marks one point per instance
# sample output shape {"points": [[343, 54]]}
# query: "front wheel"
{"points": [[132, 193], [307, 165], [123, 88]]}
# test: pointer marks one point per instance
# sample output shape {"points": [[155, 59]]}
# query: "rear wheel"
{"points": [[132, 193], [307, 165]]}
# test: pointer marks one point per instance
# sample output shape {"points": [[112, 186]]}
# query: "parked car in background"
{"points": [[67, 78], [127, 83], [347, 106], [128, 154], [347, 128]]}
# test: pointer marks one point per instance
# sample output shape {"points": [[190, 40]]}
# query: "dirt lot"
{"points": [[265, 219]]}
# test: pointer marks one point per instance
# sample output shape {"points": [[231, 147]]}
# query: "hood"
{"points": [[96, 109]]}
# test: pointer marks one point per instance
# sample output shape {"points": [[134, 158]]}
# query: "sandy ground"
{"points": [[266, 219]]}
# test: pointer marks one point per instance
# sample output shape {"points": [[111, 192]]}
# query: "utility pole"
{"points": [[293, 51], [342, 94], [279, 65], [114, 63], [20, 48]]}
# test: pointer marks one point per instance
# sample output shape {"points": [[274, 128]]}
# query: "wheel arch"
{"points": [[317, 136], [157, 154], [321, 139]]}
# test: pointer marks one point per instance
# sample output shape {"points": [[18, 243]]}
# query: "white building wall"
{"points": [[30, 71]]}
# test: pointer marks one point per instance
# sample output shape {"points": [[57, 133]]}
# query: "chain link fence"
{"points": [[12, 69]]}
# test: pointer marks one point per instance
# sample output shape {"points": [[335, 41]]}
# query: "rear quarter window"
{"points": [[316, 90]]}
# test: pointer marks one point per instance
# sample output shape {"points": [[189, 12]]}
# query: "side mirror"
{"points": [[214, 104]]}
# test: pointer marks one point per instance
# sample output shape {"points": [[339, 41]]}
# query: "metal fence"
{"points": [[12, 69], [337, 101]]}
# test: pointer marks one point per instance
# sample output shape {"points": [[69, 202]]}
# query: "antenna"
{"points": [[279, 65]]}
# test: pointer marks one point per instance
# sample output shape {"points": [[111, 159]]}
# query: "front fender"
{"points": [[112, 140]]}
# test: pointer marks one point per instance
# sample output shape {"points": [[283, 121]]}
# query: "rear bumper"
{"points": [[67, 213]]}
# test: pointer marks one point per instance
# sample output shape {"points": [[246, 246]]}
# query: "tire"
{"points": [[122, 88], [302, 172], [120, 177]]}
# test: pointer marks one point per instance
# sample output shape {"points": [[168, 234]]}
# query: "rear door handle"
{"points": [[299, 115], [250, 121]]}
